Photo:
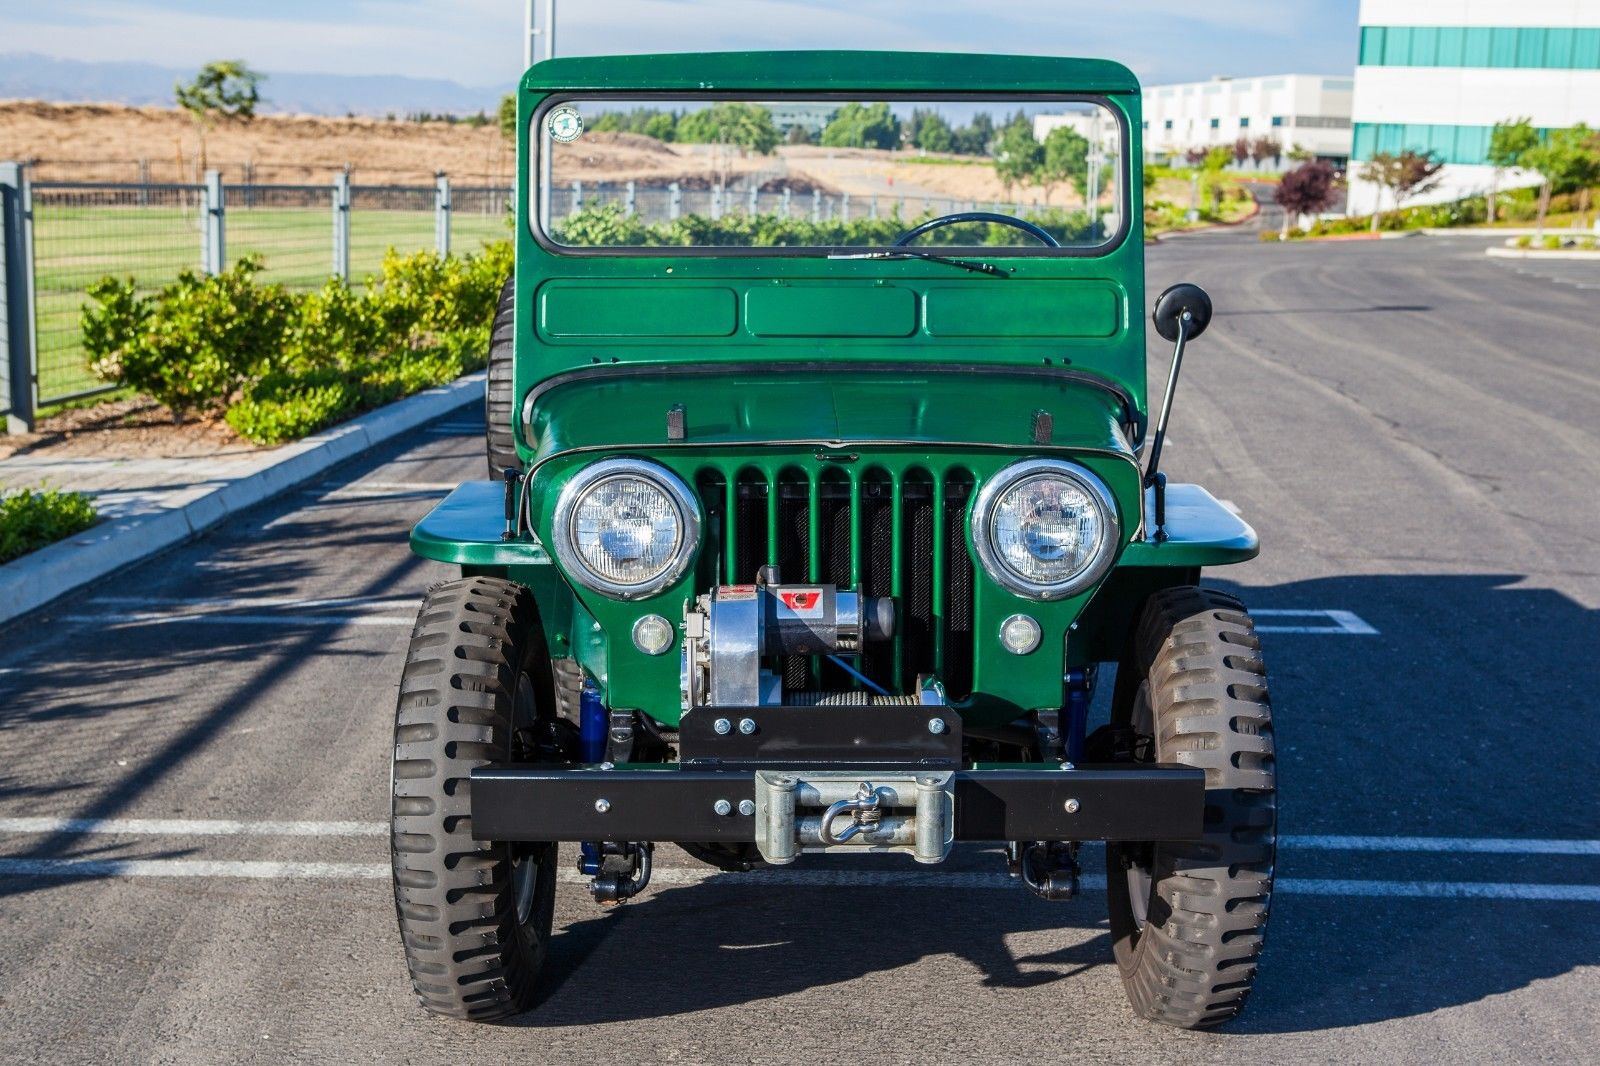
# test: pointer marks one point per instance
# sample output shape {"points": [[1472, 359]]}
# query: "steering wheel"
{"points": [[1037, 233]]}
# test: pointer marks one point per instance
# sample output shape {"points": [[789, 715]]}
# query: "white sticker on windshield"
{"points": [[564, 124]]}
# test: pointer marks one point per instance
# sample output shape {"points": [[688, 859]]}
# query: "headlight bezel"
{"points": [[684, 503], [995, 490]]}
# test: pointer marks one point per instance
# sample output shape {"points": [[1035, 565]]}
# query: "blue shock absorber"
{"points": [[591, 723], [1079, 690], [591, 749]]}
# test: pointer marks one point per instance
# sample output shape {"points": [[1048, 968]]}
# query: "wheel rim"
{"points": [[525, 881], [1139, 893]]}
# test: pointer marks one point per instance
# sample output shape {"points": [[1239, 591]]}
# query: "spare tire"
{"points": [[498, 396]]}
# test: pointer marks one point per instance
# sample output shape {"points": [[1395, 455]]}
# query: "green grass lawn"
{"points": [[75, 246]]}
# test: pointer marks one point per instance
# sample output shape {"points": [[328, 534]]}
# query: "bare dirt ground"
{"points": [[136, 427], [107, 142]]}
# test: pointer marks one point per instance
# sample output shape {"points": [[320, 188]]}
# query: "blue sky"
{"points": [[478, 42]]}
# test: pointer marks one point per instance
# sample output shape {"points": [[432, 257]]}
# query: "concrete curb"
{"points": [[34, 580], [1541, 253]]}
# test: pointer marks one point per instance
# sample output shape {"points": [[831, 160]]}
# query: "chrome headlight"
{"points": [[1045, 528], [626, 528]]}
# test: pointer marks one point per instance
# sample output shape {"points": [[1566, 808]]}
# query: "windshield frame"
{"points": [[534, 176]]}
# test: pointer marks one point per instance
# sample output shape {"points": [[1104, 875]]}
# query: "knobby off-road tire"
{"points": [[1188, 918], [498, 397], [474, 915]]}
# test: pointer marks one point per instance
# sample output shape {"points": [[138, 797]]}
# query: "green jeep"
{"points": [[814, 510]]}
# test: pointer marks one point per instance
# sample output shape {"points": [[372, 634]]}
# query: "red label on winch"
{"points": [[801, 601]]}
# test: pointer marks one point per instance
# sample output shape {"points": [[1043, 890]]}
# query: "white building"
{"points": [[1310, 112], [1436, 75]]}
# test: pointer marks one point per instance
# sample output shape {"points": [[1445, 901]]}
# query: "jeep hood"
{"points": [[647, 408]]}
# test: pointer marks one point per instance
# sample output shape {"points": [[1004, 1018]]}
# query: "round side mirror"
{"points": [[1171, 305]]}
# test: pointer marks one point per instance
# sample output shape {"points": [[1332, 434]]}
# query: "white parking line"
{"points": [[230, 603], [390, 486], [209, 827], [1345, 623], [302, 871], [223, 618], [239, 827], [452, 431]]}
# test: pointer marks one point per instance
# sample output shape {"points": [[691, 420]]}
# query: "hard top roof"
{"points": [[831, 71]]}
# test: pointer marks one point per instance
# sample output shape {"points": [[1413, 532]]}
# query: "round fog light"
{"points": [[1020, 634], [652, 634]]}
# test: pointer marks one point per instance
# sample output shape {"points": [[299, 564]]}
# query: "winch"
{"points": [[732, 631]]}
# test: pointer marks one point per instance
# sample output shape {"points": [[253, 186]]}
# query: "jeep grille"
{"points": [[900, 533]]}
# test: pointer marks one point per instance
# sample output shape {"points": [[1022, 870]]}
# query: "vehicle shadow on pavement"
{"points": [[1465, 715]]}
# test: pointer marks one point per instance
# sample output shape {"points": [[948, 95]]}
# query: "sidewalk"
{"points": [[148, 505]]}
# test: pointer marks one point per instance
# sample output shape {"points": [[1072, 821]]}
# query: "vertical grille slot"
{"points": [[916, 579], [958, 615], [794, 554], [877, 506], [750, 519]]}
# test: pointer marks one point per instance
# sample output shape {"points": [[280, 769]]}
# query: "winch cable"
{"points": [[858, 675]]}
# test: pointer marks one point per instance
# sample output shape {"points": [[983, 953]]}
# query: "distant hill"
{"points": [[26, 76]]}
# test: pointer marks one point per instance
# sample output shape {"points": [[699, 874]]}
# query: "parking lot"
{"points": [[194, 757]]}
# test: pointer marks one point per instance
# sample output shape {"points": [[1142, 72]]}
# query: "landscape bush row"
{"points": [[277, 364], [608, 225]]}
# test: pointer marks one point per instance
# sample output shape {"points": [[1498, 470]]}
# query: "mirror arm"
{"points": [[1166, 400]]}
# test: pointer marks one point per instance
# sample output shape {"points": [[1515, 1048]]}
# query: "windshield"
{"points": [[821, 174]]}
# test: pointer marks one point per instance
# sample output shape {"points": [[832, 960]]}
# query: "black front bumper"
{"points": [[544, 802]]}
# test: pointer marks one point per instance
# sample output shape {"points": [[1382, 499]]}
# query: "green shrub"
{"points": [[606, 225], [284, 365], [1524, 241], [288, 405], [32, 519], [1586, 244], [1551, 243], [193, 344]]}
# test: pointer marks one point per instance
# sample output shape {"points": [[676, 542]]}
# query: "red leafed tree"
{"points": [[1308, 189]]}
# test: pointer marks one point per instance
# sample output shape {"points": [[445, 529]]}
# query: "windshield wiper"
{"points": [[974, 265]]}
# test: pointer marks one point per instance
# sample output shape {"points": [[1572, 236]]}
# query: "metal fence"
{"points": [[656, 204], [61, 237]]}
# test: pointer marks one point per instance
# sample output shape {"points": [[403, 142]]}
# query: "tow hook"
{"points": [[1049, 869], [866, 812], [618, 870]]}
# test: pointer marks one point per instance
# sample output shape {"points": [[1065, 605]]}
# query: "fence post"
{"points": [[716, 201], [872, 212], [674, 201], [577, 198], [844, 207], [630, 200], [17, 339], [213, 231], [787, 195], [816, 205], [341, 225], [755, 190], [441, 214]]}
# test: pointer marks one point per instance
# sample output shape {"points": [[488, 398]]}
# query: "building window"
{"points": [[1277, 120], [1145, 125], [1167, 125], [1524, 47], [1244, 122], [1216, 123]]}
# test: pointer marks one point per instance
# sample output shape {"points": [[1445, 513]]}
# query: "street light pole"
{"points": [[533, 28]]}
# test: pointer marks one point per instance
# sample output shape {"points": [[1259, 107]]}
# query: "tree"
{"points": [[1066, 158], [1264, 148], [223, 90], [1241, 150], [1017, 156], [1196, 155], [661, 125], [508, 116], [930, 132], [1567, 160], [730, 122], [1507, 144], [974, 137], [862, 126], [1405, 175], [1307, 189]]}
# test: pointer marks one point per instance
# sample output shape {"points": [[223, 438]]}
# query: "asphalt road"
{"points": [[1413, 428]]}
